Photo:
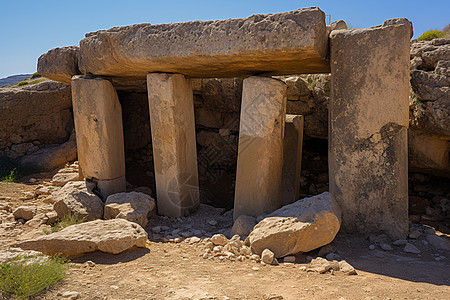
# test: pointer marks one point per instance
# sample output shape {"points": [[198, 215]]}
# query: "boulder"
{"points": [[438, 242], [298, 227], [225, 48], [111, 236], [133, 206], [59, 64], [243, 225], [25, 212], [74, 198]]}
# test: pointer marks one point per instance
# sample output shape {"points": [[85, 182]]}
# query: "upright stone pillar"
{"points": [[260, 150], [292, 159], [172, 119], [368, 158], [99, 131]]}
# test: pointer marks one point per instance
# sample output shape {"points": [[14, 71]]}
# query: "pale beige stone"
{"points": [[302, 226], [25, 212], [368, 161], [133, 206], [260, 151], [284, 43], [111, 236], [292, 159], [99, 130], [173, 138]]}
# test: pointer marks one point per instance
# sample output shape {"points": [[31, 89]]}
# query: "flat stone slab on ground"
{"points": [[111, 236], [284, 43]]}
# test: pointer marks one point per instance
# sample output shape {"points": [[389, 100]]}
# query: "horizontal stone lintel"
{"points": [[276, 44]]}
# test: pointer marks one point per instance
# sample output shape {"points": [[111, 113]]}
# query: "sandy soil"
{"points": [[178, 270]]}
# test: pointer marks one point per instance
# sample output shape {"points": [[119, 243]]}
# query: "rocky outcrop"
{"points": [[111, 236], [133, 206], [74, 198], [302, 226], [36, 127], [59, 64], [429, 134]]}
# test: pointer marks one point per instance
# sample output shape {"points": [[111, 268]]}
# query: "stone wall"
{"points": [[35, 120]]}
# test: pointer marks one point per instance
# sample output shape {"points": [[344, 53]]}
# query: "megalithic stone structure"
{"points": [[292, 159], [99, 131], [368, 121], [172, 121], [260, 150]]}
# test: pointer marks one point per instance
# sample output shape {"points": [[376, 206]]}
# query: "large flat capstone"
{"points": [[284, 43]]}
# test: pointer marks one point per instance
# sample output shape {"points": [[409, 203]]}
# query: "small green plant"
{"points": [[28, 275], [431, 34], [11, 177], [22, 83], [35, 75], [67, 220]]}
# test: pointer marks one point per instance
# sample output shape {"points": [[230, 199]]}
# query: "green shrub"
{"points": [[35, 75], [22, 83], [11, 177], [431, 34], [29, 275], [67, 220]]}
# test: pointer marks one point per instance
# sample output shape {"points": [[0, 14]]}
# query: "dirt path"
{"points": [[179, 271]]}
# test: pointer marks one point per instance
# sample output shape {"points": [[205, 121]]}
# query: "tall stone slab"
{"points": [[292, 159], [260, 150], [172, 121], [368, 157], [99, 131]]}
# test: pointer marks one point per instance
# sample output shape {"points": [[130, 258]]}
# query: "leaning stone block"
{"points": [[59, 64], [260, 150], [302, 226], [284, 43], [368, 157]]}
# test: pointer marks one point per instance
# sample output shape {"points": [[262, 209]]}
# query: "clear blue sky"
{"points": [[30, 28]]}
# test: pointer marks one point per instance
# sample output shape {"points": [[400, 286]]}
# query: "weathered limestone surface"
{"points": [[111, 236], [302, 226], [59, 64], [98, 124], [285, 43], [368, 158], [172, 121], [260, 151], [292, 159], [133, 206], [75, 198]]}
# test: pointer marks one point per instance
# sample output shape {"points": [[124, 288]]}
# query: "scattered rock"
{"points": [[289, 259], [133, 206], [243, 225], [267, 256], [219, 240], [372, 247], [400, 242], [298, 227], [386, 247], [346, 268], [61, 178], [325, 250], [111, 236], [71, 295], [212, 222], [74, 198], [410, 248], [438, 242], [25, 212], [414, 234]]}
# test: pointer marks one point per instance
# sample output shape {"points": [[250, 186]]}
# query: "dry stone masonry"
{"points": [[368, 110]]}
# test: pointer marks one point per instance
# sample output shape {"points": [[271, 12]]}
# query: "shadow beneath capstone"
{"points": [[103, 258]]}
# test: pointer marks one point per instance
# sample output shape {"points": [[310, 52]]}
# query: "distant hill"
{"points": [[13, 79]]}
